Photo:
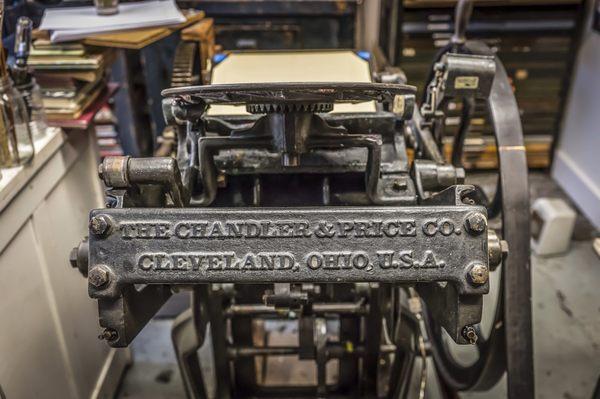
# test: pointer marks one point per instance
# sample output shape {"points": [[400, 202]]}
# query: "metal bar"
{"points": [[243, 334], [318, 308], [373, 329], [334, 351], [348, 380], [214, 301]]}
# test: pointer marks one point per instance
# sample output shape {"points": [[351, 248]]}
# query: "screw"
{"points": [[465, 197], [109, 334], [476, 223], [479, 274], [470, 334], [98, 276], [399, 185], [100, 225], [111, 202]]}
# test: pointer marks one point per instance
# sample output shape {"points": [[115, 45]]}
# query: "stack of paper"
{"points": [[75, 23]]}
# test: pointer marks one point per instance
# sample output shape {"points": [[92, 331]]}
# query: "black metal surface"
{"points": [[185, 246], [124, 316], [279, 93]]}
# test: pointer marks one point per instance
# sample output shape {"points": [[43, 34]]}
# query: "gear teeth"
{"points": [[183, 65], [288, 107]]}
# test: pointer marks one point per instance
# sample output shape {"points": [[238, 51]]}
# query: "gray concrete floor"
{"points": [[566, 323]]}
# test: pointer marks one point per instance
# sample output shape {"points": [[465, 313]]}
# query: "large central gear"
{"points": [[289, 107]]}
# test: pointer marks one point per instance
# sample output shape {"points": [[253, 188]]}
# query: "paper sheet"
{"points": [[76, 22]]}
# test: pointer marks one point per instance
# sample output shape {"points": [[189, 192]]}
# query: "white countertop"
{"points": [[14, 179]]}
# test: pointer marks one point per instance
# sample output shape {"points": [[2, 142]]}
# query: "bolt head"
{"points": [[479, 274], [399, 185], [470, 334], [109, 334], [98, 276], [476, 223], [100, 225]]}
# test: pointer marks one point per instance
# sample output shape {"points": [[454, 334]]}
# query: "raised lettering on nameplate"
{"points": [[250, 245]]}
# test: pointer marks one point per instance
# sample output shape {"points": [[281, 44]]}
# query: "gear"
{"points": [[185, 65], [289, 107]]}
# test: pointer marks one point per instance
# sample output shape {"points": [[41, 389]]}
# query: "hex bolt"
{"points": [[475, 223], [98, 276], [470, 334], [100, 225], [479, 274], [109, 334]]}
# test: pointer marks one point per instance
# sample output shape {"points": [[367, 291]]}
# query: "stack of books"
{"points": [[106, 133], [71, 77]]}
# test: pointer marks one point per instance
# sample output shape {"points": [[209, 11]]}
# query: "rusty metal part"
{"points": [[100, 225], [113, 171], [476, 223], [109, 335], [99, 276], [479, 273], [123, 172], [470, 334]]}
